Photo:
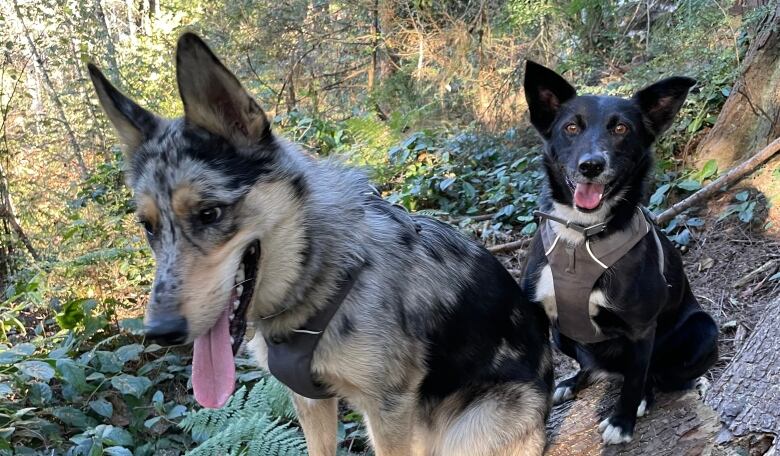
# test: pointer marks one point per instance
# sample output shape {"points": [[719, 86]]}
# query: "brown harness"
{"points": [[289, 359], [575, 269]]}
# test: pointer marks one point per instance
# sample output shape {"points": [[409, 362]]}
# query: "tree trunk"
{"points": [[110, 49], [750, 119], [678, 424], [53, 94], [747, 395]]}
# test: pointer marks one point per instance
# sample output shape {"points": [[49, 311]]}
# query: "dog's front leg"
{"points": [[391, 431], [319, 420], [619, 428]]}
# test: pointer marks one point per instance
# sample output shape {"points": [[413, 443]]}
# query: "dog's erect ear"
{"points": [[545, 92], [133, 123], [661, 101], [213, 98]]}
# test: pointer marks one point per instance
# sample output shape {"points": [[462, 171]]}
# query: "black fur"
{"points": [[660, 336]]}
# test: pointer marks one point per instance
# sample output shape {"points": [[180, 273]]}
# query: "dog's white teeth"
{"points": [[235, 304], [252, 250], [240, 274], [231, 317], [239, 290], [232, 341]]}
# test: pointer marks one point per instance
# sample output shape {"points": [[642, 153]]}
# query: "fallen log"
{"points": [[724, 181], [679, 424], [747, 394]]}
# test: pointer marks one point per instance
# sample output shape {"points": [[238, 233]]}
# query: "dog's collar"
{"points": [[586, 231]]}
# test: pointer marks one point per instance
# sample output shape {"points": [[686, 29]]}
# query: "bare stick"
{"points": [[721, 183], [509, 247]]}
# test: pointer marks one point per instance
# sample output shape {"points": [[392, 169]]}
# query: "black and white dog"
{"points": [[611, 282]]}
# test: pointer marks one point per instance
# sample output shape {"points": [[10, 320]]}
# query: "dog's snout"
{"points": [[167, 331], [591, 165]]}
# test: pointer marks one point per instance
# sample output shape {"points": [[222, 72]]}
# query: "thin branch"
{"points": [[721, 183]]}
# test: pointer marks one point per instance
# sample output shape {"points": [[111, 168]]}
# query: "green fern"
{"points": [[251, 423]]}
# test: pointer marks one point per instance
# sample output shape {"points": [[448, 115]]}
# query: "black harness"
{"points": [[289, 359], [576, 268]]}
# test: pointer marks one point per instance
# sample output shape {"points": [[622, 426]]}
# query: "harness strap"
{"points": [[289, 359]]}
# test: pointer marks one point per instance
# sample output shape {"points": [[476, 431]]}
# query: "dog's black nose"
{"points": [[167, 331], [591, 166]]}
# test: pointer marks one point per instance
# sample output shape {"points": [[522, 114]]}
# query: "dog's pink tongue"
{"points": [[588, 195], [213, 368]]}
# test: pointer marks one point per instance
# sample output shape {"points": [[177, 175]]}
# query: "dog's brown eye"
{"points": [[210, 215], [147, 227], [620, 129], [572, 128]]}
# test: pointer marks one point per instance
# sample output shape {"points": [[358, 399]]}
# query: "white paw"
{"points": [[642, 409], [612, 435], [702, 385], [562, 394]]}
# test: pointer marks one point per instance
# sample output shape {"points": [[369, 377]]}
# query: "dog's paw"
{"points": [[642, 409], [702, 385], [562, 394], [614, 432]]}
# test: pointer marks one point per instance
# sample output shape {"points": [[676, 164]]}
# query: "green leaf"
{"points": [[74, 417], [742, 196], [529, 229], [689, 185], [102, 407], [443, 185], [659, 195], [117, 451], [129, 384], [5, 390], [109, 361], [134, 326], [72, 314], [36, 369], [129, 352], [72, 373], [113, 435], [709, 170], [176, 412], [39, 393]]}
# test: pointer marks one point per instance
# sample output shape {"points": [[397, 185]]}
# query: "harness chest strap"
{"points": [[575, 270], [289, 360]]}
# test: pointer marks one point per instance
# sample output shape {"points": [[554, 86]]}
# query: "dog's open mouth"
{"points": [[213, 368], [588, 196]]}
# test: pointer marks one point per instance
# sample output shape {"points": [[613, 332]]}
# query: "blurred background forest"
{"points": [[426, 95]]}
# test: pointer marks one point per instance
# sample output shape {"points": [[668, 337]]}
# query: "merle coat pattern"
{"points": [[435, 343], [597, 157]]}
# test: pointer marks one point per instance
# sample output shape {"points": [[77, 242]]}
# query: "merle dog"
{"points": [[637, 316], [341, 294]]}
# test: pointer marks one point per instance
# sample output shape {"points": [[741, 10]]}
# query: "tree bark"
{"points": [[679, 424], [750, 119], [747, 394]]}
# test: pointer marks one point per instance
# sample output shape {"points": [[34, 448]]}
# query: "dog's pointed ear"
{"points": [[213, 98], [661, 101], [545, 92], [133, 123]]}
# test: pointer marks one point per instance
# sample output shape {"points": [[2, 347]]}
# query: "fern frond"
{"points": [[252, 422]]}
